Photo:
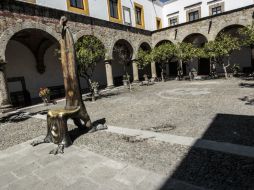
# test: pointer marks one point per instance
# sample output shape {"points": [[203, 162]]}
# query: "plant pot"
{"points": [[46, 100], [125, 82], [96, 91]]}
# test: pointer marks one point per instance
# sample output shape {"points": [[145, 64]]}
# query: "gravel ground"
{"points": [[13, 133], [225, 120], [212, 109]]}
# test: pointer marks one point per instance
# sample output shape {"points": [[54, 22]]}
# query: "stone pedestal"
{"points": [[135, 71], [109, 74], [153, 69], [4, 95]]}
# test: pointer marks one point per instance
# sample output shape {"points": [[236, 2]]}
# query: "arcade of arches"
{"points": [[29, 58]]}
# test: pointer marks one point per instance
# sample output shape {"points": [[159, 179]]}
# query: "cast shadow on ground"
{"points": [[76, 132], [209, 169], [246, 85], [105, 95], [20, 116], [248, 100]]}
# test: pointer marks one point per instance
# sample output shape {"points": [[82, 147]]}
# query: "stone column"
{"points": [[135, 71], [4, 95], [109, 74], [153, 68]]}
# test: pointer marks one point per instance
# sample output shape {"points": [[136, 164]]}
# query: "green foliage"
{"points": [[186, 51], [248, 33], [90, 51], [222, 47], [144, 58], [163, 53]]}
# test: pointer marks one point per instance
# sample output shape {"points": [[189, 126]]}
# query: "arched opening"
{"points": [[171, 67], [93, 57], [202, 65], [243, 57], [33, 62], [147, 69], [121, 63]]}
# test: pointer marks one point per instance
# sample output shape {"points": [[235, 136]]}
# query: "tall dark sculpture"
{"points": [[57, 129]]}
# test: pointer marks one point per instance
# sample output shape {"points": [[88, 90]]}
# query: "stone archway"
{"points": [[9, 32], [171, 67], [243, 57], [202, 65], [36, 64], [82, 33], [122, 58], [145, 46]]}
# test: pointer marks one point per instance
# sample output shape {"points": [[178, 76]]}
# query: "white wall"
{"points": [[98, 9], [178, 5], [151, 11], [57, 4], [22, 63]]}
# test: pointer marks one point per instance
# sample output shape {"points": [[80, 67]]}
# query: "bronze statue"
{"points": [[57, 129]]}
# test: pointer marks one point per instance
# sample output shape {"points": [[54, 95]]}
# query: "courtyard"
{"points": [[172, 135]]}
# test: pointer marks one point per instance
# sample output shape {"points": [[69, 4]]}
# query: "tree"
{"points": [[248, 37], [90, 51], [209, 52], [144, 58], [222, 48], [248, 34], [123, 54], [162, 55], [185, 52]]}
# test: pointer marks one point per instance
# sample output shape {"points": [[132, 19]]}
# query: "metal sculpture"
{"points": [[57, 129]]}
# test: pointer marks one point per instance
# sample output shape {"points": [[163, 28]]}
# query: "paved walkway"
{"points": [[225, 147], [26, 167]]}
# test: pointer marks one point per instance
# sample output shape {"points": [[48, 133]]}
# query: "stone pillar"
{"points": [[153, 68], [4, 95], [109, 74], [167, 70], [135, 71]]}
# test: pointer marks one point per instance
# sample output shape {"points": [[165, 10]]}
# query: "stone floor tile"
{"points": [[7, 179], [83, 183], [53, 183], [25, 183], [103, 173], [131, 176], [27, 169], [152, 182]]}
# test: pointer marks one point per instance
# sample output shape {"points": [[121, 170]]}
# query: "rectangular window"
{"points": [[216, 10], [193, 15], [77, 4], [113, 7], [173, 21], [127, 15], [158, 23], [138, 15]]}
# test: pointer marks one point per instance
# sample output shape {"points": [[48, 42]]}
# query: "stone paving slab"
{"points": [[26, 167]]}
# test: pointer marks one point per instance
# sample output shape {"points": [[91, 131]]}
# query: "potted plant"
{"points": [[193, 74], [44, 93], [236, 69], [126, 79], [94, 89]]}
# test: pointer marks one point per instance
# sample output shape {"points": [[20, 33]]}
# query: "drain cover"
{"points": [[162, 128]]}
